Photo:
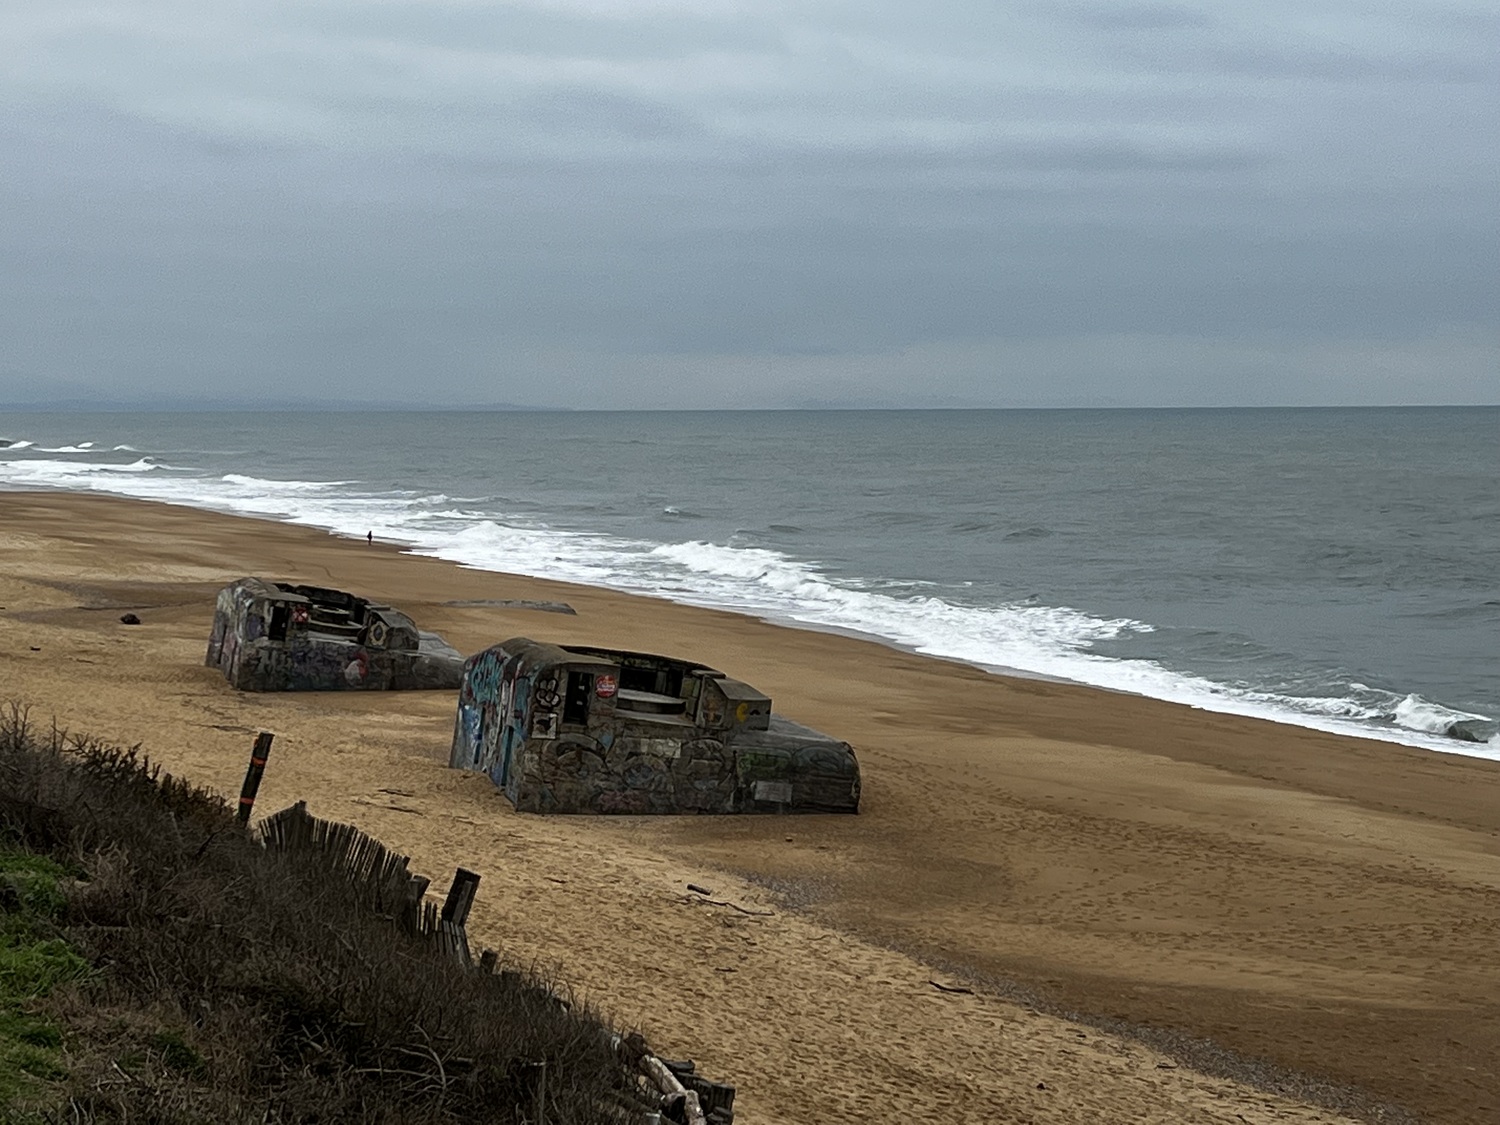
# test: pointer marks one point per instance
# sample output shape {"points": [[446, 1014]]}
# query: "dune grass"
{"points": [[158, 964]]}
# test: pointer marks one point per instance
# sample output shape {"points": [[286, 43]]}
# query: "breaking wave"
{"points": [[70, 474], [1040, 640]]}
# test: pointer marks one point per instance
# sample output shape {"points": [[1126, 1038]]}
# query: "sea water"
{"points": [[1332, 568]]}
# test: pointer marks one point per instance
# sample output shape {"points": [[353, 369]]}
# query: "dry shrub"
{"points": [[235, 983]]}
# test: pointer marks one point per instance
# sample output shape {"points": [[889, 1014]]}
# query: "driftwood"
{"points": [[514, 603], [951, 988], [674, 1090], [737, 906]]}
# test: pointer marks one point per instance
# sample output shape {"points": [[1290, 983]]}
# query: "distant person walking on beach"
{"points": [[370, 538]]}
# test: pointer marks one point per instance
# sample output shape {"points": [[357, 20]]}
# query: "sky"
{"points": [[711, 204]]}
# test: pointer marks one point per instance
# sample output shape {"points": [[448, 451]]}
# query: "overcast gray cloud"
{"points": [[660, 203]]}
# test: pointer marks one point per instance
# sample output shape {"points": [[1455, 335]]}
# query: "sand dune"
{"points": [[1315, 914]]}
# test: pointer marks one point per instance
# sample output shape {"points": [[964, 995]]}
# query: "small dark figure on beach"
{"points": [[370, 538]]}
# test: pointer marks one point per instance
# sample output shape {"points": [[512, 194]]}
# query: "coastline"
{"points": [[1084, 634], [1322, 902]]}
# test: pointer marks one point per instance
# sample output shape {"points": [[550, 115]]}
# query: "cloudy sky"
{"points": [[716, 203]]}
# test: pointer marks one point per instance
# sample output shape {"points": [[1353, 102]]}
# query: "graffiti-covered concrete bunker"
{"points": [[582, 730], [276, 636]]}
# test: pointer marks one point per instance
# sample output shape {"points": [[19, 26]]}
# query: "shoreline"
{"points": [[1322, 903], [1211, 701]]}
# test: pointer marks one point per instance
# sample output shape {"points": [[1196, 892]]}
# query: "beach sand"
{"points": [[1279, 905]]}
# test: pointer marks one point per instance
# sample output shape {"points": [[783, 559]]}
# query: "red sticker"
{"points": [[605, 686], [299, 615]]}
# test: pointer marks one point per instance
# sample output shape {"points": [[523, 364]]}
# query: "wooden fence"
{"points": [[391, 889]]}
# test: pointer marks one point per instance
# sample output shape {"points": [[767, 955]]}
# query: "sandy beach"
{"points": [[1311, 918]]}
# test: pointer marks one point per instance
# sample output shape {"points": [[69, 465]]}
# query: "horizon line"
{"points": [[323, 407]]}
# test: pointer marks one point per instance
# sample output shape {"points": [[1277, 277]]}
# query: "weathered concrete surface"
{"points": [[276, 636], [591, 730]]}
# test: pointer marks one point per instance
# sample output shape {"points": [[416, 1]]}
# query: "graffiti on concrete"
{"points": [[570, 729], [276, 636]]}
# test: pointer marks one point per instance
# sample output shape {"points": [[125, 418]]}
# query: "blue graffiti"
{"points": [[482, 677], [468, 723]]}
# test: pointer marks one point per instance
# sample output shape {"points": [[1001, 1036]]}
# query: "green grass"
{"points": [[33, 961]]}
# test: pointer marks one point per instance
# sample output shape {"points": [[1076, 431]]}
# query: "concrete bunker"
{"points": [[278, 636], [573, 729]]}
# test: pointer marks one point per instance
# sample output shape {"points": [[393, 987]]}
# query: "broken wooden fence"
{"points": [[388, 884], [392, 889]]}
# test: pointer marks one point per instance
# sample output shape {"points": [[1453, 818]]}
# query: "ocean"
{"points": [[1329, 568]]}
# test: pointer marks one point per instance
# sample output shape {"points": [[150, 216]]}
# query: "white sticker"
{"points": [[776, 792]]}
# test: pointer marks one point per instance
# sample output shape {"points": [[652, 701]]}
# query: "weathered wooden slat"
{"points": [[460, 896]]}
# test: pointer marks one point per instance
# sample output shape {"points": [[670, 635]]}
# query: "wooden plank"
{"points": [[460, 896]]}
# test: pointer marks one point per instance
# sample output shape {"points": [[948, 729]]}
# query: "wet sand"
{"points": [[1314, 913]]}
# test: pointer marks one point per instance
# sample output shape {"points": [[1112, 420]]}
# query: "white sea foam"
{"points": [[259, 486], [81, 447], [38, 473], [18, 445], [1037, 639]]}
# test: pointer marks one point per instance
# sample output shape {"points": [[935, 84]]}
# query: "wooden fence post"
{"points": [[460, 896], [451, 933], [253, 775]]}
